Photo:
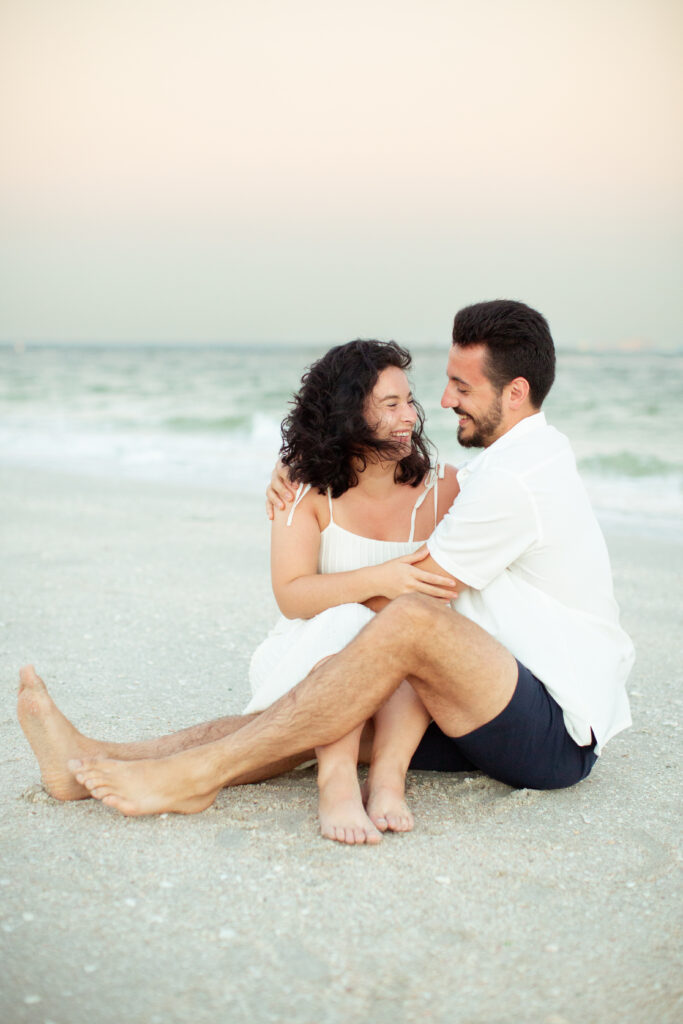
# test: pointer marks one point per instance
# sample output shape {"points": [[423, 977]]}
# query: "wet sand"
{"points": [[140, 605]]}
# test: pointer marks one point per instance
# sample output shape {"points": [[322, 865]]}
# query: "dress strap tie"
{"points": [[439, 474], [300, 494], [431, 484]]}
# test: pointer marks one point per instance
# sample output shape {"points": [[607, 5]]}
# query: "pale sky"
{"points": [[313, 171]]}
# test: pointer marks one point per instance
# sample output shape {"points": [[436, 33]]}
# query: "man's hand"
{"points": [[280, 491]]}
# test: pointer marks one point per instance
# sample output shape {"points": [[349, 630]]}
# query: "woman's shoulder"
{"points": [[443, 473], [448, 488], [308, 504]]}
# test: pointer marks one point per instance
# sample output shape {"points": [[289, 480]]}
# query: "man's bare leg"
{"points": [[340, 804], [399, 726], [463, 676], [55, 740]]}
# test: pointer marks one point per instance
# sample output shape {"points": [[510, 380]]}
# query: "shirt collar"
{"points": [[526, 426]]}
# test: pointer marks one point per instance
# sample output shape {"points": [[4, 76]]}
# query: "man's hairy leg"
{"points": [[55, 740], [463, 676]]}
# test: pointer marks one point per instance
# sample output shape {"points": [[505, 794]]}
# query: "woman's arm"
{"points": [[448, 492], [302, 592]]}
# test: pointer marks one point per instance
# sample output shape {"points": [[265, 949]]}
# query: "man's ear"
{"points": [[518, 392]]}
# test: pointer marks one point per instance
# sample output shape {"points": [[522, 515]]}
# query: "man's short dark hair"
{"points": [[518, 342]]}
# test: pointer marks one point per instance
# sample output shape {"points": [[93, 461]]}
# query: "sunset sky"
{"points": [[313, 171]]}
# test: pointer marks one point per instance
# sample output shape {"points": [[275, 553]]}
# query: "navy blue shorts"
{"points": [[525, 746]]}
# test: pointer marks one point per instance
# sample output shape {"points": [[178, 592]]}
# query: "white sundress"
{"points": [[294, 646]]}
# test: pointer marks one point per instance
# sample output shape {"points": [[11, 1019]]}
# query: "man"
{"points": [[525, 681]]}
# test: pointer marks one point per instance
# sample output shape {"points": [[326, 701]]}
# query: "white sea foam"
{"points": [[210, 417]]}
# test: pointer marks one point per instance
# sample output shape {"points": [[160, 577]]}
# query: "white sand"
{"points": [[140, 604]]}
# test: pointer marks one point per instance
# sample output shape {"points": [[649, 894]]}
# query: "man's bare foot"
{"points": [[386, 805], [340, 807], [146, 786], [52, 737]]}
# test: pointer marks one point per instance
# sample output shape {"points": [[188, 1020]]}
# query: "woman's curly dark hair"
{"points": [[325, 435]]}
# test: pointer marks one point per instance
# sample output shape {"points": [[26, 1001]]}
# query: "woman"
{"points": [[354, 443]]}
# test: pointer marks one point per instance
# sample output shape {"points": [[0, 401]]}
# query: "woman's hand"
{"points": [[404, 576], [280, 491]]}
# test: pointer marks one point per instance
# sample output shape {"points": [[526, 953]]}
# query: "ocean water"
{"points": [[210, 416]]}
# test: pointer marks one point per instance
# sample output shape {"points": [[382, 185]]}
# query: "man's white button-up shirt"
{"points": [[523, 537]]}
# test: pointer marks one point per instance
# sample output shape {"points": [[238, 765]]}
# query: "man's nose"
{"points": [[445, 401]]}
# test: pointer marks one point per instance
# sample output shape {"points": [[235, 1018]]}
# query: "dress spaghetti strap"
{"points": [[440, 472], [431, 484], [300, 494]]}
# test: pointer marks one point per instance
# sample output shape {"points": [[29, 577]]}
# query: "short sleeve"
{"points": [[490, 524]]}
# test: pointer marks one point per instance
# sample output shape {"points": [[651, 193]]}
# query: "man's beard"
{"points": [[484, 429]]}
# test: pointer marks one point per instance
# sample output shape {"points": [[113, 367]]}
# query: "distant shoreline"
{"points": [[627, 348]]}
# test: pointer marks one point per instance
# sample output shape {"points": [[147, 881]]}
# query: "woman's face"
{"points": [[390, 409]]}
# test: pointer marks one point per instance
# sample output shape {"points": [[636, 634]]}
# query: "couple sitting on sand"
{"points": [[431, 619]]}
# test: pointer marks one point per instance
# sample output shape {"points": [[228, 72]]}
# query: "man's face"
{"points": [[472, 397]]}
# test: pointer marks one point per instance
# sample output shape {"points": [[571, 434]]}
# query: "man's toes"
{"points": [[119, 804], [28, 678], [86, 764], [91, 782], [99, 792]]}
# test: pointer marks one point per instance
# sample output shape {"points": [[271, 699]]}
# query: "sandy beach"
{"points": [[140, 604]]}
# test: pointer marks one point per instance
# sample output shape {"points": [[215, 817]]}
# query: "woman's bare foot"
{"points": [[147, 786], [340, 807], [386, 805], [52, 737]]}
